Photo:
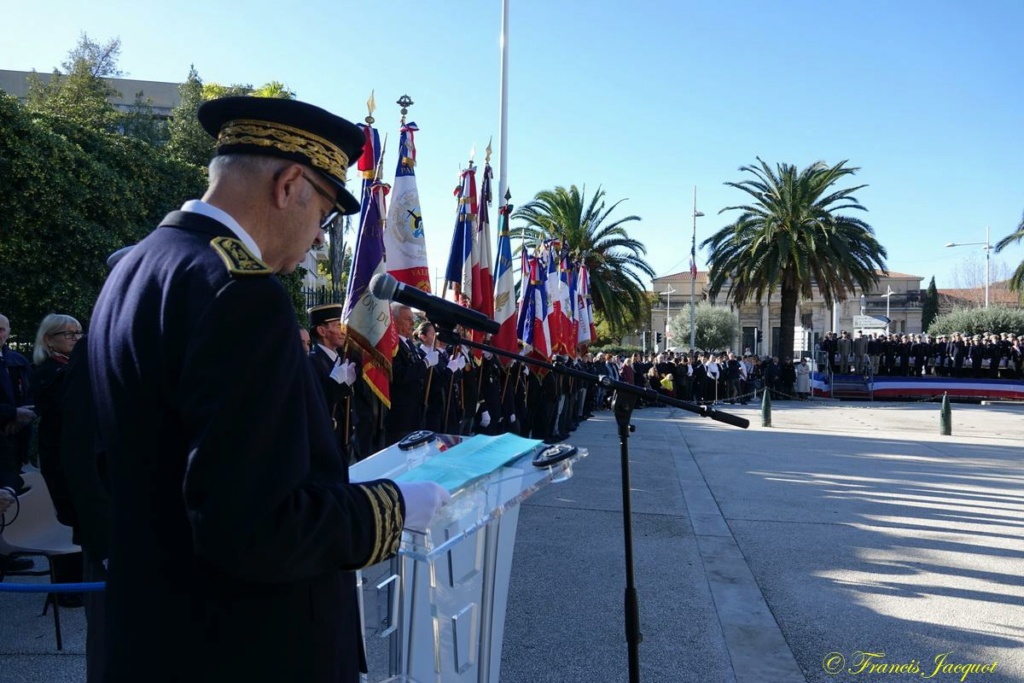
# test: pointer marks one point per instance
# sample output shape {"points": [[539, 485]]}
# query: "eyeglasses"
{"points": [[331, 219], [70, 334]]}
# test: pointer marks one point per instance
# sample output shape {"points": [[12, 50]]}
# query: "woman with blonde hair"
{"points": [[56, 338]]}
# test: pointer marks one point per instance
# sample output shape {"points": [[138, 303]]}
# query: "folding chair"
{"points": [[36, 532]]}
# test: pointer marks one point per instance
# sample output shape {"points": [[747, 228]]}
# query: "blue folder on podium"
{"points": [[471, 460], [437, 611]]}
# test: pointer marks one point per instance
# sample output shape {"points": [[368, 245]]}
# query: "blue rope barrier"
{"points": [[90, 587]]}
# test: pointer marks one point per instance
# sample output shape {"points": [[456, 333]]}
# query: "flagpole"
{"points": [[693, 272], [503, 106]]}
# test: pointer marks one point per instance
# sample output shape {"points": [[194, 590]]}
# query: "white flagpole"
{"points": [[503, 108]]}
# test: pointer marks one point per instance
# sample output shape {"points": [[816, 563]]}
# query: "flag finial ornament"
{"points": [[404, 102], [488, 152], [371, 106]]}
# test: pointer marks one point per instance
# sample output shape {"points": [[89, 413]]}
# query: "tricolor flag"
{"points": [[482, 295], [559, 325], [532, 325], [459, 273], [584, 308], [568, 277], [504, 288], [404, 241], [367, 318]]}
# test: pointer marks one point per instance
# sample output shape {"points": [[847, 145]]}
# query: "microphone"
{"points": [[439, 311]]}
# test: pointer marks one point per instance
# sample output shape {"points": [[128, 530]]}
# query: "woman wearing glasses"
{"points": [[55, 339]]}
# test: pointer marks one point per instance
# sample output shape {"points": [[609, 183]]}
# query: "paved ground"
{"points": [[761, 555]]}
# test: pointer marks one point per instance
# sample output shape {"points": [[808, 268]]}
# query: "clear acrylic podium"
{"points": [[436, 613]]}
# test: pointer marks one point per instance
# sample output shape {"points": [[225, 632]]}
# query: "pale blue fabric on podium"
{"points": [[470, 460]]}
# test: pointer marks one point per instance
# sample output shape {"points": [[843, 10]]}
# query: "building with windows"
{"points": [[897, 296]]}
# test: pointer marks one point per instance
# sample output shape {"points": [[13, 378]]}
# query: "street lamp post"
{"points": [[888, 296], [668, 309], [693, 272], [987, 246]]}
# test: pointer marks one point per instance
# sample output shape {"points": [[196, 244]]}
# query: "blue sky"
{"points": [[924, 96]]}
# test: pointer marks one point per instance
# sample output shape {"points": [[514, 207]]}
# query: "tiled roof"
{"points": [[900, 276]]}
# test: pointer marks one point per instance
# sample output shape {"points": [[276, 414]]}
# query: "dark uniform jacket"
{"points": [[338, 396], [15, 391], [408, 382], [234, 521]]}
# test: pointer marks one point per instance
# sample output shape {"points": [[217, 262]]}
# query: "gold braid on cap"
{"points": [[321, 153]]}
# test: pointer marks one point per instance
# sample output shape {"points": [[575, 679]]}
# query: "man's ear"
{"points": [[287, 185]]}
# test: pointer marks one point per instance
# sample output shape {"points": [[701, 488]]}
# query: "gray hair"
{"points": [[53, 322], [248, 165]]}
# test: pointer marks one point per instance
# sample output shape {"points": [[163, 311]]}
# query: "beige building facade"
{"points": [[162, 97]]}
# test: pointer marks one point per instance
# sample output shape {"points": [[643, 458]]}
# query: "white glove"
{"points": [[512, 418], [485, 419], [351, 372], [462, 361], [453, 364], [431, 358], [338, 373], [422, 501], [526, 369], [488, 355]]}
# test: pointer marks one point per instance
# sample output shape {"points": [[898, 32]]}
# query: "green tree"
{"points": [[930, 305], [715, 325], [69, 196], [1017, 279], [188, 142], [273, 89], [793, 238], [979, 321], [82, 92], [615, 260], [140, 122]]}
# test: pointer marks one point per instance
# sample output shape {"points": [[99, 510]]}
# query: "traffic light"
{"points": [[657, 337]]}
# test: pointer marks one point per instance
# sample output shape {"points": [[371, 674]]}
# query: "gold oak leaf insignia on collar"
{"points": [[238, 258]]}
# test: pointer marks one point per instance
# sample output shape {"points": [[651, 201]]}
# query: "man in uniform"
{"points": [[337, 373], [234, 523], [409, 370]]}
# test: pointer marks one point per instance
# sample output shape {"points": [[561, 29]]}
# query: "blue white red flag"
{"points": [[404, 242], [481, 298], [532, 326], [459, 273], [504, 288], [568, 276], [584, 306], [559, 326]]}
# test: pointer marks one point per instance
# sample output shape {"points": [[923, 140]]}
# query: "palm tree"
{"points": [[793, 238], [1017, 279], [614, 259]]}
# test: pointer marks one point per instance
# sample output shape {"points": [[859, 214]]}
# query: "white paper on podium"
{"points": [[470, 460]]}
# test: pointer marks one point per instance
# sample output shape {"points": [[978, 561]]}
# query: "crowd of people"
{"points": [[708, 377], [980, 356]]}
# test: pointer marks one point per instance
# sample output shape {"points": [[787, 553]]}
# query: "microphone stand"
{"points": [[622, 406]]}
